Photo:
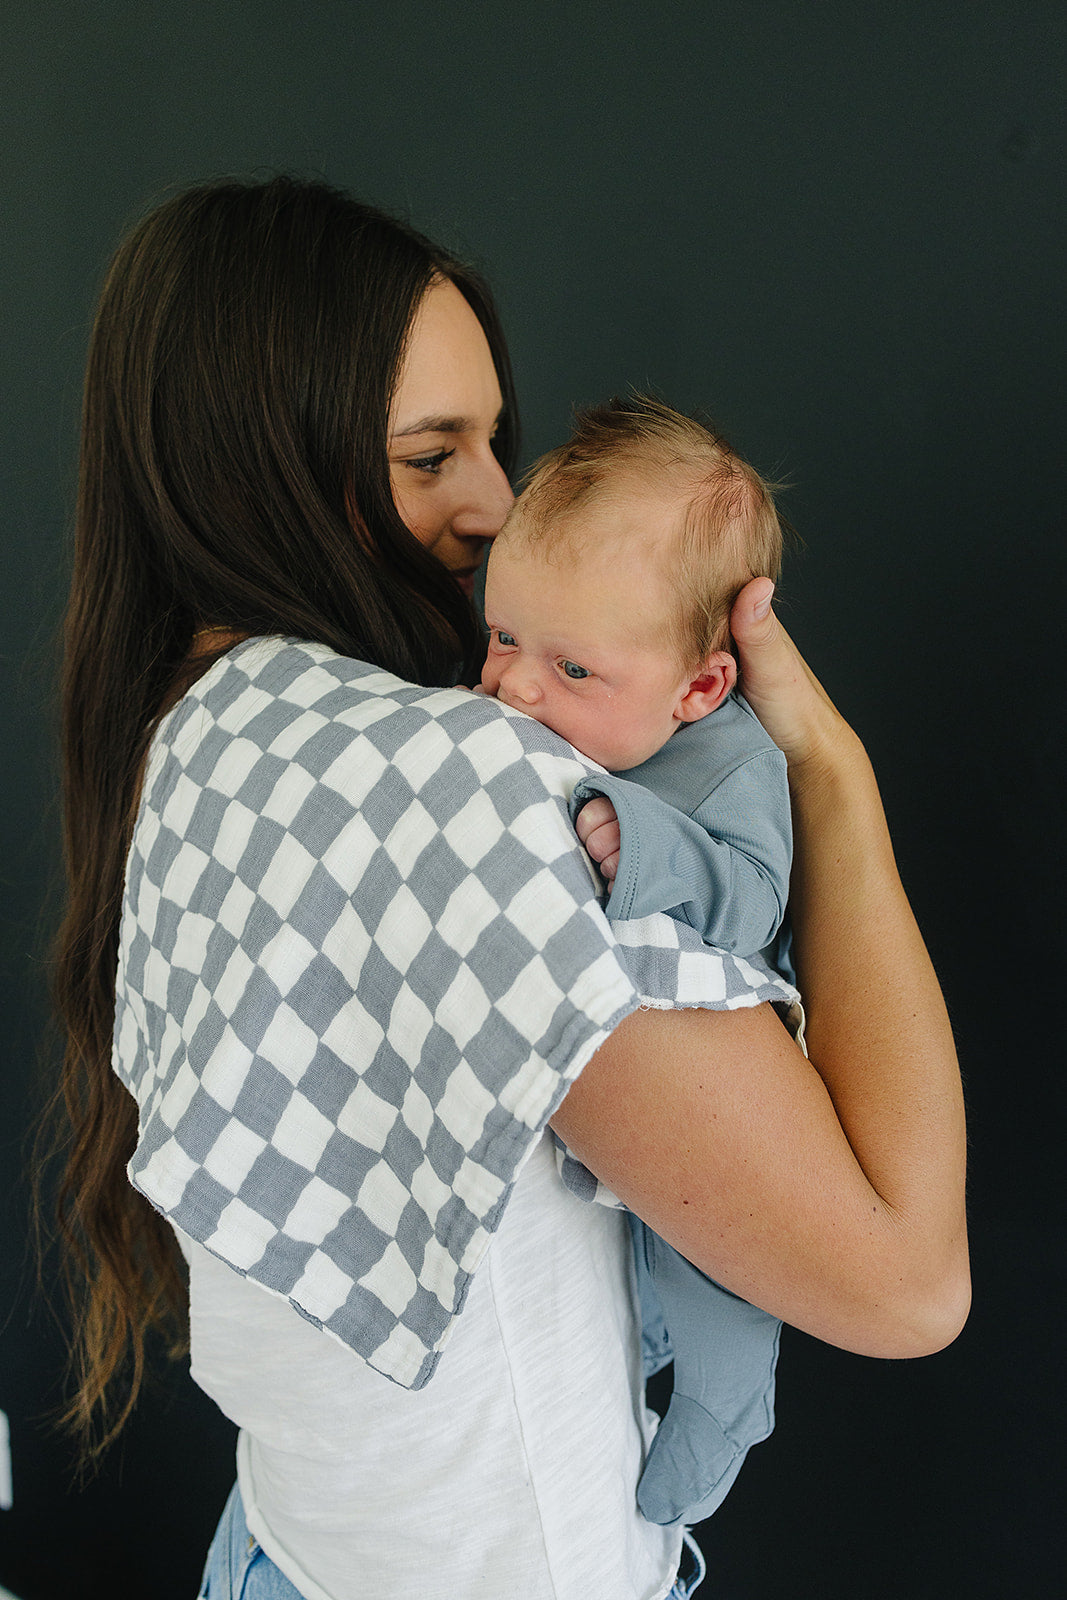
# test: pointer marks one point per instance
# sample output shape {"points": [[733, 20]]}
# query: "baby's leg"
{"points": [[725, 1353]]}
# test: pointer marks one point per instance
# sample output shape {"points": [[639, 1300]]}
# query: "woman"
{"points": [[361, 966]]}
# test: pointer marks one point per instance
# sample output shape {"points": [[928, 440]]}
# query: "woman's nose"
{"points": [[488, 503]]}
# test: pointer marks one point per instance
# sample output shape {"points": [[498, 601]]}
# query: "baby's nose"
{"points": [[519, 685]]}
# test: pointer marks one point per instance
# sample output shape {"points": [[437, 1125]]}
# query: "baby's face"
{"points": [[581, 644]]}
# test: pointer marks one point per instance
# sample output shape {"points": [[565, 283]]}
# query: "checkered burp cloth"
{"points": [[361, 961]]}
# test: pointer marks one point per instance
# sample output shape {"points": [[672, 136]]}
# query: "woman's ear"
{"points": [[709, 688]]}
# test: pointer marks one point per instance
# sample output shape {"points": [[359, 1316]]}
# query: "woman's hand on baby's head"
{"points": [[597, 827]]}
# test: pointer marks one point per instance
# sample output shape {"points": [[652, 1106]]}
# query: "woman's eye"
{"points": [[432, 464], [573, 670], [506, 639]]}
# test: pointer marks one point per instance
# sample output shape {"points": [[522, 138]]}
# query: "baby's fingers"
{"points": [[610, 864], [603, 845], [598, 828], [594, 814]]}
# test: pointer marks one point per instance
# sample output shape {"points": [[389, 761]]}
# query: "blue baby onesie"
{"points": [[706, 836]]}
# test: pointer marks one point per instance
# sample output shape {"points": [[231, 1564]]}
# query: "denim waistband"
{"points": [[237, 1566]]}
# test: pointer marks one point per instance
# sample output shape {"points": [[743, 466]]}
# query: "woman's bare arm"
{"points": [[829, 1192]]}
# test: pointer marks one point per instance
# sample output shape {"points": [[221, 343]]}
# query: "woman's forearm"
{"points": [[878, 1032], [877, 1026]]}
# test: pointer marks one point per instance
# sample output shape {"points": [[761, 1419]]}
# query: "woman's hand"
{"points": [[781, 688]]}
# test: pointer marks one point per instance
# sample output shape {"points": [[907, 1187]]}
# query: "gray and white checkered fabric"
{"points": [[361, 961]]}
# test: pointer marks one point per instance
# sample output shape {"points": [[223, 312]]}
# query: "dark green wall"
{"points": [[840, 229]]}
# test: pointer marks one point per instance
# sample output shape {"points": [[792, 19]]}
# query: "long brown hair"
{"points": [[239, 379]]}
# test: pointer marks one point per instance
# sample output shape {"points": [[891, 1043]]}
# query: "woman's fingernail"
{"points": [[762, 606]]}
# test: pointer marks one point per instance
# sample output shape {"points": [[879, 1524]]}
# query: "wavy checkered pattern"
{"points": [[361, 961]]}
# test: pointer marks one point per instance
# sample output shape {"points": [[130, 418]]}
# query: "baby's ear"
{"points": [[709, 688]]}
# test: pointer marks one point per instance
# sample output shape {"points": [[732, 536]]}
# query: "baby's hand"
{"points": [[597, 827]]}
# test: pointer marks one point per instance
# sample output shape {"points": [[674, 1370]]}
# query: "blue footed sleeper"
{"points": [[706, 837]]}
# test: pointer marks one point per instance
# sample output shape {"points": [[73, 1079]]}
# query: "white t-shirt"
{"points": [[513, 1472]]}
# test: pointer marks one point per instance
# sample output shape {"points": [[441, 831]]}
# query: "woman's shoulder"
{"points": [[299, 702], [286, 756]]}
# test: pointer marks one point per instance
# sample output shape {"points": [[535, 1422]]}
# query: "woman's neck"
{"points": [[209, 641]]}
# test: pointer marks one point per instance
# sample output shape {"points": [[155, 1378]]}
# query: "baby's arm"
{"points": [[724, 870]]}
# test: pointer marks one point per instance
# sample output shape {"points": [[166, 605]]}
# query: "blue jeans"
{"points": [[238, 1569]]}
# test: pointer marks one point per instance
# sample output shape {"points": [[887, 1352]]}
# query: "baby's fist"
{"points": [[597, 827]]}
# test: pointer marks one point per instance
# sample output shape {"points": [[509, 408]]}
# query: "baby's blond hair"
{"points": [[729, 530]]}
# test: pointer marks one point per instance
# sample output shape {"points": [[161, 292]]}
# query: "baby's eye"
{"points": [[431, 464], [573, 670], [506, 639]]}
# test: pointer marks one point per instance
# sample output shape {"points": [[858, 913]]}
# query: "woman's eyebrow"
{"points": [[442, 424], [434, 425]]}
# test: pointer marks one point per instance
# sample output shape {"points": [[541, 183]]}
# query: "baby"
{"points": [[608, 595]]}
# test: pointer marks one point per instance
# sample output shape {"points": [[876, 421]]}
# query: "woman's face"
{"points": [[447, 484]]}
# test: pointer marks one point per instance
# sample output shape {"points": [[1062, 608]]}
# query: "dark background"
{"points": [[839, 228]]}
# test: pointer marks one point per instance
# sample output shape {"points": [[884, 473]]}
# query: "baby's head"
{"points": [[608, 592]]}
